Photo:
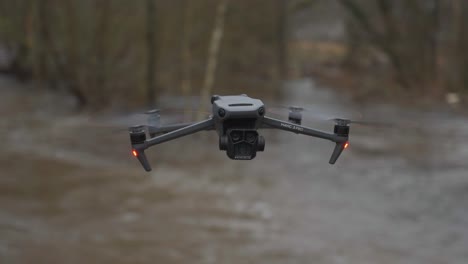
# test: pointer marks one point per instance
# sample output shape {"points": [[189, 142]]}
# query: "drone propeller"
{"points": [[347, 122], [313, 111], [297, 112], [295, 108], [151, 118]]}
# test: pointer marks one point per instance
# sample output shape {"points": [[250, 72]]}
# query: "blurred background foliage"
{"points": [[418, 46], [118, 52]]}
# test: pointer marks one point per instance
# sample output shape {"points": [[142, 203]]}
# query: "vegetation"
{"points": [[108, 52], [416, 45], [105, 51]]}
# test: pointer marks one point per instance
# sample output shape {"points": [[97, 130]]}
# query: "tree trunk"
{"points": [[41, 72], [385, 41], [104, 12], [150, 52], [463, 46], [186, 87], [282, 36], [71, 68], [214, 45], [457, 20]]}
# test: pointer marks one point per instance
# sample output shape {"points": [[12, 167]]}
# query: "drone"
{"points": [[237, 120]]}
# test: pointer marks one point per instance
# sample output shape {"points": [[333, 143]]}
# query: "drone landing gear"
{"points": [[139, 142], [137, 138]]}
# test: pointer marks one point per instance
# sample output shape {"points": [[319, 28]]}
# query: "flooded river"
{"points": [[71, 193]]}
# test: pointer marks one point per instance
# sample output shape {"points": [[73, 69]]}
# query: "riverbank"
{"points": [[71, 187]]}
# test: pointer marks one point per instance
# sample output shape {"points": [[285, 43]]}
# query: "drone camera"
{"points": [[242, 144]]}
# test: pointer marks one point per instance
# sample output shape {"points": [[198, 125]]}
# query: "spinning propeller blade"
{"points": [[318, 113], [343, 121], [313, 112], [148, 119]]}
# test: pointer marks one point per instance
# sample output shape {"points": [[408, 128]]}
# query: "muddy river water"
{"points": [[71, 193]]}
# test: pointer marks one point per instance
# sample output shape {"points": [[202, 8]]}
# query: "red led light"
{"points": [[346, 145], [135, 153]]}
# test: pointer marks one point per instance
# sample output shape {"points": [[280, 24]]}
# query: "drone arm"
{"points": [[181, 132], [287, 126], [139, 142], [341, 141], [153, 131]]}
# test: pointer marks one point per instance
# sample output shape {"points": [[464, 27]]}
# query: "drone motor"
{"points": [[137, 139], [340, 129], [295, 115]]}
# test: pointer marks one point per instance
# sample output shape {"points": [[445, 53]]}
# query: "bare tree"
{"points": [[282, 36], [282, 43], [214, 45], [186, 85], [384, 42], [150, 51], [68, 62], [78, 46], [459, 53], [405, 32], [104, 11], [41, 72]]}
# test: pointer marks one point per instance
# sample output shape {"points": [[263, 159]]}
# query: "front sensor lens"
{"points": [[221, 112], [261, 111]]}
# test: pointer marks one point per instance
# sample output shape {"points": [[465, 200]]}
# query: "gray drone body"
{"points": [[237, 119]]}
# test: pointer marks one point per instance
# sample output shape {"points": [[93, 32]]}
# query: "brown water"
{"points": [[71, 193]]}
